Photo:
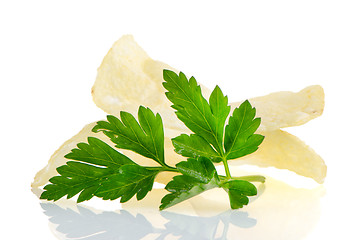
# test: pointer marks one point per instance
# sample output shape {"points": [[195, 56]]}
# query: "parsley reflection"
{"points": [[82, 223], [278, 212]]}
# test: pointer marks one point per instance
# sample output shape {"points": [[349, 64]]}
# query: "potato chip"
{"points": [[285, 151], [128, 78], [280, 149], [57, 159], [287, 109]]}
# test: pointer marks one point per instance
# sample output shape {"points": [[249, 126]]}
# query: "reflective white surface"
{"points": [[49, 53], [277, 213], [82, 223]]}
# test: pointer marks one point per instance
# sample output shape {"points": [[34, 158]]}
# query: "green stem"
{"points": [[171, 169], [226, 166], [164, 168], [251, 178]]}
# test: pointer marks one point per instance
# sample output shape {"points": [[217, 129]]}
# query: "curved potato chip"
{"points": [[128, 78], [279, 149], [288, 109], [123, 84], [58, 159], [285, 151]]}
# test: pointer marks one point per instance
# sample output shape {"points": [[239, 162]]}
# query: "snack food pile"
{"points": [[128, 78]]}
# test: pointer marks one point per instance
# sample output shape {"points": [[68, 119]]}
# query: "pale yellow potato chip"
{"points": [[287, 109], [58, 159], [123, 83], [279, 149], [285, 151], [128, 78]]}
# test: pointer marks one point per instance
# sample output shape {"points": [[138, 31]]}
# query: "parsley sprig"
{"points": [[97, 169]]}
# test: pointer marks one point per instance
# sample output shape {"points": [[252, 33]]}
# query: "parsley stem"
{"points": [[226, 166], [163, 168], [250, 178], [171, 169]]}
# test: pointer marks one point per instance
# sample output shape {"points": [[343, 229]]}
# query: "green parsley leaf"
{"points": [[220, 109], [131, 180], [95, 163], [194, 146], [198, 175], [238, 191], [99, 170], [145, 138], [207, 121], [96, 169], [240, 139], [194, 110]]}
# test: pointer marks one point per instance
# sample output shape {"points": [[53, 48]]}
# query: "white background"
{"points": [[50, 51]]}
